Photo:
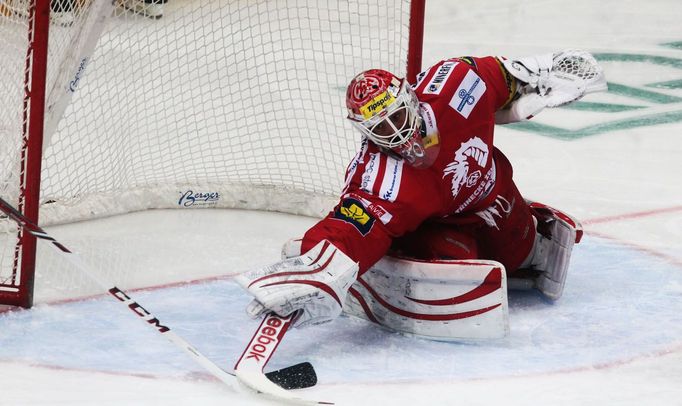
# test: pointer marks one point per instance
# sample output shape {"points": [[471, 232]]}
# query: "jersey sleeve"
{"points": [[501, 83], [382, 200], [470, 86]]}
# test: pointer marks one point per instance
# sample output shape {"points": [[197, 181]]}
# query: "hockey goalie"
{"points": [[430, 228]]}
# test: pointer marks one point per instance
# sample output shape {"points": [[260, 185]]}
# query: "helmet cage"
{"points": [[375, 127]]}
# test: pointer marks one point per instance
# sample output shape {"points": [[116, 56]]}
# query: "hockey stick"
{"points": [[297, 376], [249, 367]]}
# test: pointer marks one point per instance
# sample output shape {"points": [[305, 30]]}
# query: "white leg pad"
{"points": [[444, 300], [551, 253], [558, 255]]}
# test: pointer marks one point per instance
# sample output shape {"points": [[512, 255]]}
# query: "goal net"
{"points": [[188, 103]]}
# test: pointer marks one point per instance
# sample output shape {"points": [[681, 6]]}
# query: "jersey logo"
{"points": [[467, 94], [473, 178], [459, 168], [352, 211], [375, 210], [369, 176], [441, 76], [501, 209], [377, 105], [390, 185]]}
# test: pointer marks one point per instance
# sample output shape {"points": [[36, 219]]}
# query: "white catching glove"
{"points": [[316, 282], [552, 80], [533, 70]]}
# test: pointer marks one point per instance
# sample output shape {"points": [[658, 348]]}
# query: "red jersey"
{"points": [[385, 198]]}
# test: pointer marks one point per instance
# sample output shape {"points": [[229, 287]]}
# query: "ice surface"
{"points": [[615, 338]]}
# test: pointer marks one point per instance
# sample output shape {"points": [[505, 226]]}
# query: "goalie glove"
{"points": [[531, 70], [551, 80], [316, 282]]}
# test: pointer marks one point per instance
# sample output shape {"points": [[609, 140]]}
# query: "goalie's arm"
{"points": [[321, 267], [365, 250], [351, 238], [363, 225]]}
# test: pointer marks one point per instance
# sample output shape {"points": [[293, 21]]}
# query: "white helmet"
{"points": [[386, 110]]}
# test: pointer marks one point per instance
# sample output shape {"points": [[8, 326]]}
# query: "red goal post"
{"points": [[215, 103]]}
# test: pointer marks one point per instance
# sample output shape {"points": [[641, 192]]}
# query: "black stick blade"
{"points": [[297, 376]]}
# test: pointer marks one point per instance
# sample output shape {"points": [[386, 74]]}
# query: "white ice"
{"points": [[615, 338]]}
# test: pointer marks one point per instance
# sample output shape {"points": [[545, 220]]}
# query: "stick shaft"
{"points": [[149, 319], [121, 296]]}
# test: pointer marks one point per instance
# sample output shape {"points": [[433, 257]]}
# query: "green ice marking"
{"points": [[676, 44], [672, 84], [624, 124], [647, 95], [656, 60], [601, 107]]}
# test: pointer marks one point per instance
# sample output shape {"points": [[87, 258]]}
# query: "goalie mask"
{"points": [[386, 110]]}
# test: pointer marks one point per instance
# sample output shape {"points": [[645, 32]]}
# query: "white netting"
{"points": [[574, 74], [70, 22], [239, 100], [578, 64], [208, 103]]}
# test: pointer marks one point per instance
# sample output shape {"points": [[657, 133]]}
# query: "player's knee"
{"points": [[453, 245], [437, 242]]}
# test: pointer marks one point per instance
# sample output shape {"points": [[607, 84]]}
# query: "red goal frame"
{"points": [[31, 151]]}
